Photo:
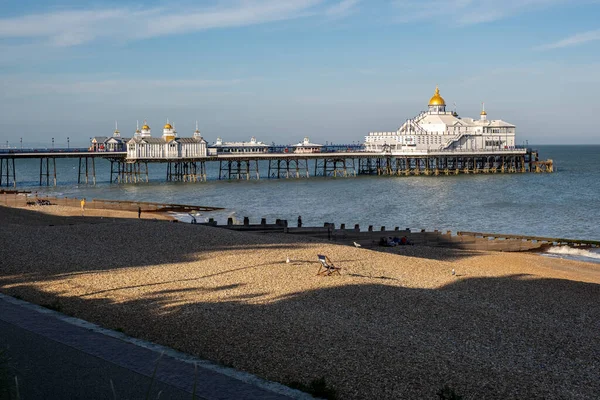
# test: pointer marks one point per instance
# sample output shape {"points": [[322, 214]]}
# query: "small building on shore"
{"points": [[168, 146]]}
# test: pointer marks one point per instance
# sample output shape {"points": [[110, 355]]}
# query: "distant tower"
{"points": [[168, 132], [116, 133], [437, 104], [197, 133], [145, 132], [483, 114]]}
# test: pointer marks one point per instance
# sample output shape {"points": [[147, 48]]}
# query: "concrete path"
{"points": [[58, 357]]}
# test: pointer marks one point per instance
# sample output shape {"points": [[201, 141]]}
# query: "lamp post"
{"points": [[7, 144], [21, 143], [68, 144], [53, 143]]}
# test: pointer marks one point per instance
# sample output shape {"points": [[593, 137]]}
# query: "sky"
{"points": [[333, 70]]}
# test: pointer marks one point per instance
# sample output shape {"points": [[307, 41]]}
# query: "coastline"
{"points": [[392, 325]]}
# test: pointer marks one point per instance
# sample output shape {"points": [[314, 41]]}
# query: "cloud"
{"points": [[575, 40], [467, 12], [75, 27], [342, 9]]}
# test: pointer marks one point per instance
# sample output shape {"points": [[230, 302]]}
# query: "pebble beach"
{"points": [[396, 324]]}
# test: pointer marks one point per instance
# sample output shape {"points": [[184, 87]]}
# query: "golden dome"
{"points": [[483, 113], [145, 127], [437, 100], [168, 126]]}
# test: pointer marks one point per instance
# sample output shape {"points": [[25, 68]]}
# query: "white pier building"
{"points": [[253, 146], [168, 146], [306, 146], [437, 130]]}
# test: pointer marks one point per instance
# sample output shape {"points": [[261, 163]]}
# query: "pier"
{"points": [[279, 165]]}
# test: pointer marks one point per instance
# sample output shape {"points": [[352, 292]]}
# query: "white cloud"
{"points": [[574, 40], [467, 12], [342, 9], [75, 27]]}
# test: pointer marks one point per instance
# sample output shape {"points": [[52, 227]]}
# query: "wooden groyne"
{"points": [[20, 199], [373, 237]]}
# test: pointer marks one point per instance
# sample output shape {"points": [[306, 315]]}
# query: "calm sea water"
{"points": [[563, 204]]}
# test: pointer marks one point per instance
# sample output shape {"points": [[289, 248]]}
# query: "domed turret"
{"points": [[146, 132], [197, 133], [483, 114], [437, 103], [437, 100], [168, 132]]}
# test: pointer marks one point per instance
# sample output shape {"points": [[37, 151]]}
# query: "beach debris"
{"points": [[357, 244], [453, 272], [287, 260]]}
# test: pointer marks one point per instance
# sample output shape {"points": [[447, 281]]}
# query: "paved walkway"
{"points": [[58, 357]]}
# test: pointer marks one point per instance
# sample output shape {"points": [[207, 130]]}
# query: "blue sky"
{"points": [[279, 70]]}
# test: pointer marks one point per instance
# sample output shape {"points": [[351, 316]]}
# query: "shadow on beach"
{"points": [[508, 337]]}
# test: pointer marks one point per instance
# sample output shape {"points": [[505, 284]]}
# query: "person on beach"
{"points": [[139, 212], [82, 206], [299, 221]]}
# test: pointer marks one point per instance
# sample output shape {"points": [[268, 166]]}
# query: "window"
{"points": [[495, 143]]}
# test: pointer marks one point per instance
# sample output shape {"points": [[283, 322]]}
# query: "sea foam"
{"points": [[575, 253]]}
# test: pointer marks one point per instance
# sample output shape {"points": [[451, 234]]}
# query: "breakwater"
{"points": [[380, 236]]}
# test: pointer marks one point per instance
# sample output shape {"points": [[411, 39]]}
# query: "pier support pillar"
{"points": [[288, 168], [186, 171], [8, 174], [45, 164], [239, 169], [87, 166]]}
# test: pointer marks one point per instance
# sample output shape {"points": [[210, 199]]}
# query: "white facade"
{"points": [[307, 147], [109, 143], [169, 146], [253, 146], [438, 130]]}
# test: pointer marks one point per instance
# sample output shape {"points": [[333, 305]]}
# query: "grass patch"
{"points": [[317, 387]]}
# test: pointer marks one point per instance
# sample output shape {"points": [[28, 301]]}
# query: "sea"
{"points": [[563, 204]]}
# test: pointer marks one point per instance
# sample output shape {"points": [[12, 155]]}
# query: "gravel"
{"points": [[395, 324]]}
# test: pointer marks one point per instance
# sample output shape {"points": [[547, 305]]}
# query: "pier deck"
{"points": [[282, 165]]}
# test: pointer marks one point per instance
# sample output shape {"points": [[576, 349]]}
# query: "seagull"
{"points": [[453, 271], [287, 260], [357, 244]]}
